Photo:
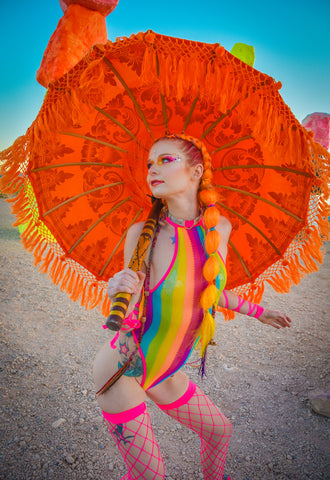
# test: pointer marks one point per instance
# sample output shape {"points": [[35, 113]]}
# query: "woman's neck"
{"points": [[184, 209]]}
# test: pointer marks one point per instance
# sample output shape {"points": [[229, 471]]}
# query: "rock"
{"points": [[320, 401], [58, 422], [69, 459]]}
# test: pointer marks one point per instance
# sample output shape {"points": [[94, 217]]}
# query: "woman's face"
{"points": [[169, 171]]}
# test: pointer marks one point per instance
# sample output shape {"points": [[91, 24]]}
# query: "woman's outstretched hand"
{"points": [[275, 319], [125, 281]]}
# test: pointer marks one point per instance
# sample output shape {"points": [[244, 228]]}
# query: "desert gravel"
{"points": [[51, 425]]}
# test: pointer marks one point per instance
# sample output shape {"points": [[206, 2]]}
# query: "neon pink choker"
{"points": [[183, 223]]}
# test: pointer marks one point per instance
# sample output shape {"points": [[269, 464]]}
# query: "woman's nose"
{"points": [[152, 169]]}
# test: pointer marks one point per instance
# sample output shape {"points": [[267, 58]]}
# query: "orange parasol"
{"points": [[85, 158]]}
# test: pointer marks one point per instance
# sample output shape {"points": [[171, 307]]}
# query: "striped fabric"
{"points": [[173, 311]]}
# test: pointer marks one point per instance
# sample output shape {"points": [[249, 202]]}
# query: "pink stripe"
{"points": [[240, 303], [182, 400], [114, 340], [187, 221], [251, 308], [124, 417], [259, 312], [171, 264], [221, 257], [226, 298], [172, 362], [143, 361]]}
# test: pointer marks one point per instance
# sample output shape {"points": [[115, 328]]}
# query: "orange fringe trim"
{"points": [[91, 293]]}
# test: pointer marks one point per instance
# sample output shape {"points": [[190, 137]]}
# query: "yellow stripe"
{"points": [[162, 362]]}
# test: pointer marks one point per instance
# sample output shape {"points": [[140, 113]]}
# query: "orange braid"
{"points": [[207, 198]]}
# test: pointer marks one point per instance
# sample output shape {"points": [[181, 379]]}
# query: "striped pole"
{"points": [[121, 301]]}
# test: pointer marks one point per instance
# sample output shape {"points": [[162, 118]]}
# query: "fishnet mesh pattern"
{"points": [[139, 448], [203, 417]]}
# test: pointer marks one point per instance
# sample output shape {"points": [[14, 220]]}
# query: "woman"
{"points": [[183, 279]]}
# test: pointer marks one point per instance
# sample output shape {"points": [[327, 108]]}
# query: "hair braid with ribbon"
{"points": [[207, 196]]}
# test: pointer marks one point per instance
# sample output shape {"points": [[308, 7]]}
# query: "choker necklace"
{"points": [[184, 223]]}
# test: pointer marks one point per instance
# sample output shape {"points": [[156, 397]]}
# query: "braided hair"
{"points": [[207, 197]]}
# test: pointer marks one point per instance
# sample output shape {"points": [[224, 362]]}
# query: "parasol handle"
{"points": [[121, 301]]}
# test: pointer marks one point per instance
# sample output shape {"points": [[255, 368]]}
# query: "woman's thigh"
{"points": [[170, 389], [126, 393]]}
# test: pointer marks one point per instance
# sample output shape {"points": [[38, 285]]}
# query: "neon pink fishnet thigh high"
{"points": [[135, 440], [196, 411]]}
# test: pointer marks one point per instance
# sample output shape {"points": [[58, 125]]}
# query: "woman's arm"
{"points": [[127, 280], [224, 228], [231, 301]]}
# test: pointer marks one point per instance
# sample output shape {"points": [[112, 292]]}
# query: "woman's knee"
{"points": [[227, 427], [222, 430]]}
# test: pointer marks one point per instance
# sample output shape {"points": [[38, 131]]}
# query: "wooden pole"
{"points": [[121, 301]]}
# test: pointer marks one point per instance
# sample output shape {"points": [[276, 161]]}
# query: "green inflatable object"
{"points": [[244, 52]]}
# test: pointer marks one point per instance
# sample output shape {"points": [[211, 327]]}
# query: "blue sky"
{"points": [[291, 40]]}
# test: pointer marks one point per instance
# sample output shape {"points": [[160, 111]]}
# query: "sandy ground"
{"points": [[51, 426]]}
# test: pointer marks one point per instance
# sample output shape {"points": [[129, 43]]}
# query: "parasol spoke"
{"points": [[234, 212], [120, 241], [231, 144], [239, 256], [95, 224], [114, 120], [72, 199], [266, 167], [164, 112], [192, 108], [96, 140], [218, 120], [73, 164], [262, 199], [130, 94]]}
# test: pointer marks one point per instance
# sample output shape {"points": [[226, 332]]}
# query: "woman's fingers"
{"points": [[275, 319], [284, 321], [126, 281], [287, 321]]}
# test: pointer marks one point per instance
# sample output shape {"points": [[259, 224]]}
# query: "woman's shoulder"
{"points": [[132, 236], [224, 226], [134, 231]]}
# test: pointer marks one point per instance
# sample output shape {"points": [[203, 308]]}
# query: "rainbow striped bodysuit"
{"points": [[173, 311]]}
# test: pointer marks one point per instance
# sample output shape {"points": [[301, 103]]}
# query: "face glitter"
{"points": [[165, 159]]}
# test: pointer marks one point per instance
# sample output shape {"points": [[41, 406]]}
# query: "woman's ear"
{"points": [[198, 171]]}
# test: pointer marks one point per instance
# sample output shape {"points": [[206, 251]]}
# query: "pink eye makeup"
{"points": [[168, 159], [165, 159]]}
